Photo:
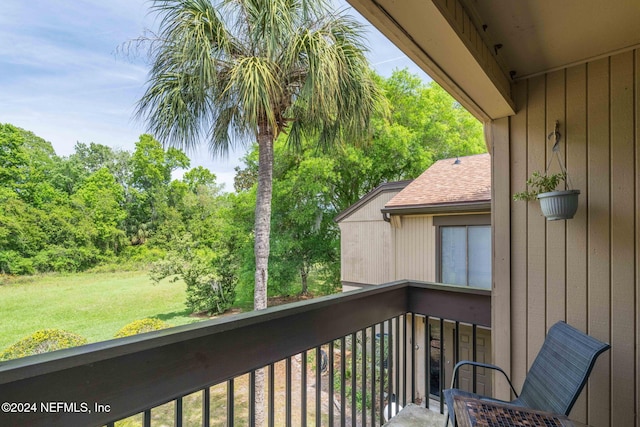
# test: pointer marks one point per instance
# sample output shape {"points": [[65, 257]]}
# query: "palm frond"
{"points": [[336, 96], [224, 70], [192, 48], [254, 83]]}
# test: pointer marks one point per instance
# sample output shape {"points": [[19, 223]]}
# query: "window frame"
{"points": [[458, 221]]}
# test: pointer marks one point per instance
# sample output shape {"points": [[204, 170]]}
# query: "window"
{"points": [[464, 250]]}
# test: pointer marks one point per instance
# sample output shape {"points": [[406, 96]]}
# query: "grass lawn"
{"points": [[94, 305], [97, 305]]}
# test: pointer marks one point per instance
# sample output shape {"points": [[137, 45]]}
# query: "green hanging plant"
{"points": [[539, 183]]}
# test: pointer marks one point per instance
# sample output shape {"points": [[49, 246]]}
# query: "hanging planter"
{"points": [[559, 204], [555, 204]]}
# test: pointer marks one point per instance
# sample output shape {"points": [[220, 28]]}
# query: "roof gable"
{"points": [[395, 186]]}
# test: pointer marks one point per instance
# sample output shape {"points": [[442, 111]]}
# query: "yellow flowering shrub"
{"points": [[140, 326], [42, 341]]}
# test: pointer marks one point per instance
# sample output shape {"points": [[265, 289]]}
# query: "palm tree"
{"points": [[233, 71], [237, 71]]}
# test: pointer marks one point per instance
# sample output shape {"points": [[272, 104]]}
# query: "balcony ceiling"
{"points": [[542, 35], [474, 48]]}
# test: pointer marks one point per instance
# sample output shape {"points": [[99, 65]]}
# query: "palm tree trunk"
{"points": [[262, 225], [261, 248]]}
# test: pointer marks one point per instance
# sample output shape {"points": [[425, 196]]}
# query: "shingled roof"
{"points": [[456, 184]]}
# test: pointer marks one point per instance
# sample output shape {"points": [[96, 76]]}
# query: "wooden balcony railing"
{"points": [[355, 350]]}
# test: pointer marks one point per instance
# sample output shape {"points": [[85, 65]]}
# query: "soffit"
{"points": [[523, 37], [542, 35], [426, 31]]}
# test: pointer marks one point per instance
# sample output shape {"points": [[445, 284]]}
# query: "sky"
{"points": [[62, 78]]}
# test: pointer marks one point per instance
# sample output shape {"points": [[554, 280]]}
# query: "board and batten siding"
{"points": [[584, 270], [415, 249], [366, 244]]}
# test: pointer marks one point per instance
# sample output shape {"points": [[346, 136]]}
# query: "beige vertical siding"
{"points": [[366, 252], [415, 249], [366, 245], [584, 270]]}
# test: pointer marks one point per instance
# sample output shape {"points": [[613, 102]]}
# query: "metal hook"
{"points": [[556, 133]]}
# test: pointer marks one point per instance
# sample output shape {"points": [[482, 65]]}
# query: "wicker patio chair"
{"points": [[556, 377]]}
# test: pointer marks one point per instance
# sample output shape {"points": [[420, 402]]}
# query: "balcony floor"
{"points": [[416, 416]]}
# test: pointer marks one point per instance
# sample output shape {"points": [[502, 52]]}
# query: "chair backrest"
{"points": [[561, 369]]}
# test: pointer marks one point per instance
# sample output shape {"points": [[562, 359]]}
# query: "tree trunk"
{"points": [[304, 274], [262, 229]]}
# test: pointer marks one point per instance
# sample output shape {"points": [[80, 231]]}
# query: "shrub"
{"points": [[206, 290], [11, 262], [141, 326], [42, 341], [66, 260]]}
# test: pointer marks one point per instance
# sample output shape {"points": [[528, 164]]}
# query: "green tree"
{"points": [[12, 156], [147, 199], [437, 120], [101, 198], [231, 70], [88, 159], [305, 236], [425, 124], [152, 164], [200, 179], [26, 165]]}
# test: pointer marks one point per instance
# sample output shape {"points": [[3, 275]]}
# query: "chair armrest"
{"points": [[454, 379]]}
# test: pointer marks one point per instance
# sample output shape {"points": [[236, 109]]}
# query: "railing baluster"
{"points": [[373, 375], [288, 393], [272, 393], [442, 375], [414, 350], [397, 368], [364, 377], [381, 362], [389, 364], [354, 356], [318, 387], [178, 413], [404, 360], [206, 407], [146, 419], [230, 403], [303, 389], [343, 381], [456, 347], [331, 379], [252, 398], [474, 338], [427, 361]]}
